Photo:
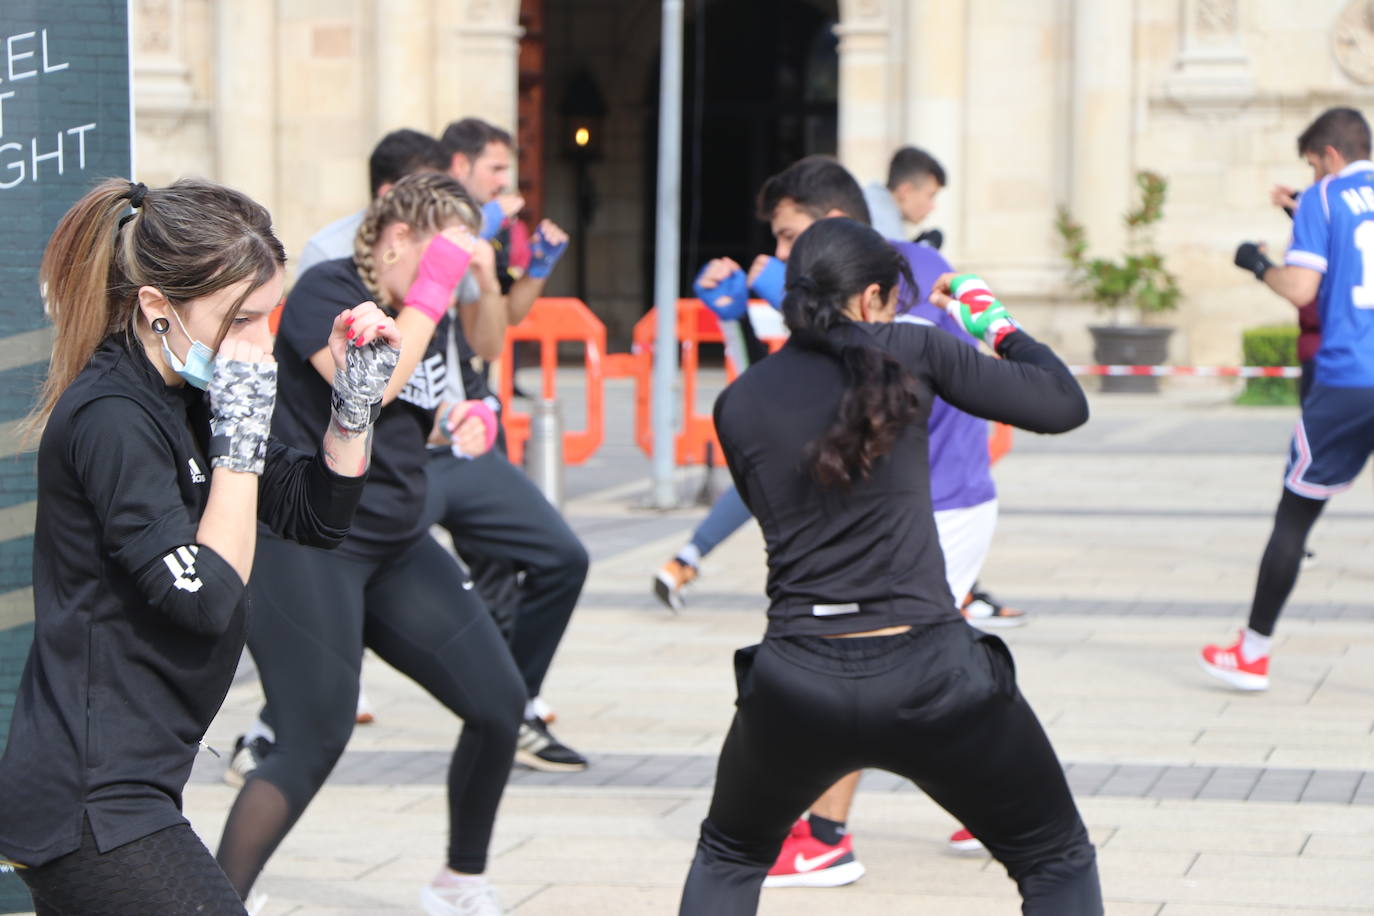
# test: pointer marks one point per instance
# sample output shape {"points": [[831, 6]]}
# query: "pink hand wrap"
{"points": [[481, 411], [441, 267]]}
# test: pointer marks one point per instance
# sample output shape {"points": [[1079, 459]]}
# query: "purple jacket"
{"points": [[959, 463]]}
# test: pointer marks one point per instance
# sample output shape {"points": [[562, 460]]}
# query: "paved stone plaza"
{"points": [[1132, 541]]}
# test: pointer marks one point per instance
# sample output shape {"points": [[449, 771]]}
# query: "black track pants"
{"points": [[938, 705]]}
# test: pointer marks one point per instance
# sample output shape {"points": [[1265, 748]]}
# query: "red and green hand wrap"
{"points": [[975, 307]]}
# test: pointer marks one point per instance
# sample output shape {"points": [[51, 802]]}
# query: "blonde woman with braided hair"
{"points": [[155, 467], [389, 586]]}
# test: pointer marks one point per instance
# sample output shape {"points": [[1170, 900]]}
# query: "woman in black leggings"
{"points": [[154, 468], [865, 662], [389, 586]]}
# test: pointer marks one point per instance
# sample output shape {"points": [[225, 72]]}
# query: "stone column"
{"points": [[403, 59], [936, 46], [1101, 161], [476, 62], [871, 78], [246, 97]]}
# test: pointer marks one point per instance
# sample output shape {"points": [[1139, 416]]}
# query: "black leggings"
{"points": [[1278, 571], [169, 873], [312, 613], [502, 525], [938, 705]]}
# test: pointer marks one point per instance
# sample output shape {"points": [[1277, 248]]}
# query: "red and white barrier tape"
{"points": [[1193, 371]]}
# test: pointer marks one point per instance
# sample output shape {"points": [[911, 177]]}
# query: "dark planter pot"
{"points": [[1130, 346]]}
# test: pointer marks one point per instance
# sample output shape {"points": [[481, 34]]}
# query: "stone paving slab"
{"points": [[647, 771]]}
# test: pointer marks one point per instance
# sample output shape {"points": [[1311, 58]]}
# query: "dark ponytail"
{"points": [[831, 261]]}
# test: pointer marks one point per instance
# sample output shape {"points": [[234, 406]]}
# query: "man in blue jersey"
{"points": [[1331, 259]]}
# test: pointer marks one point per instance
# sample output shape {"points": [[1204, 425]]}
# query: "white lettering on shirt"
{"points": [[425, 387], [181, 563]]}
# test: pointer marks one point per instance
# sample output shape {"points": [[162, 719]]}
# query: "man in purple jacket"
{"points": [[961, 486]]}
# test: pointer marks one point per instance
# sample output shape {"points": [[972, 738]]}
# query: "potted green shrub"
{"points": [[1137, 285]]}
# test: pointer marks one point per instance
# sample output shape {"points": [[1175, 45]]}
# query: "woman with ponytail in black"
{"points": [[865, 661]]}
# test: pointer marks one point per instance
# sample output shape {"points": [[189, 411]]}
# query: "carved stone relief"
{"points": [[1352, 41]]}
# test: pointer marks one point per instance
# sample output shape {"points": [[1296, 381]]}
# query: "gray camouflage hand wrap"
{"points": [[242, 396], [358, 387]]}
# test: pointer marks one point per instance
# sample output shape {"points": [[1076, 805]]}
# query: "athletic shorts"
{"points": [[965, 538], [1335, 436]]}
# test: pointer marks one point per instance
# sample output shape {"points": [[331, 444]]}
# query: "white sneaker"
{"points": [[470, 898]]}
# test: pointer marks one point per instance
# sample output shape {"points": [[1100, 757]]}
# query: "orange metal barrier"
{"points": [[696, 324], [999, 441], [549, 322]]}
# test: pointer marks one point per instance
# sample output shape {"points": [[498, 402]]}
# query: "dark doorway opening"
{"points": [[760, 90]]}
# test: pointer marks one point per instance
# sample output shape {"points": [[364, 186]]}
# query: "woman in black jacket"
{"points": [[865, 661], [154, 467]]}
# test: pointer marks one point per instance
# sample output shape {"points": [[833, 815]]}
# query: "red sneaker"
{"points": [[961, 841], [805, 861], [1225, 663]]}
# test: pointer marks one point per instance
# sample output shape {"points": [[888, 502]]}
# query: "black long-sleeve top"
{"points": [[857, 558], [137, 628]]}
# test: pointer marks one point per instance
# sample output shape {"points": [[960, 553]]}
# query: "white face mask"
{"points": [[199, 367]]}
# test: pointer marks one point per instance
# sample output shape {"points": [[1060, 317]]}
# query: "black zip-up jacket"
{"points": [[858, 558], [137, 628]]}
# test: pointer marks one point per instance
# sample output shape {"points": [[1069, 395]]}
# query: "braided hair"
{"points": [[427, 202]]}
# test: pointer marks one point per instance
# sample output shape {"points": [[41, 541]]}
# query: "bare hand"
{"points": [[244, 352], [717, 269], [511, 204], [360, 325], [462, 236], [468, 433], [760, 262], [941, 294], [552, 232], [1283, 196]]}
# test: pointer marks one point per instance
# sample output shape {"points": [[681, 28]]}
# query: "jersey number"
{"points": [[1363, 295]]}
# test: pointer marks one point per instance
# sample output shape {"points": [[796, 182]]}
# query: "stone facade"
{"points": [[1027, 104]]}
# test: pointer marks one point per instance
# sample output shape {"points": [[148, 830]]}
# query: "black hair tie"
{"points": [[137, 191]]}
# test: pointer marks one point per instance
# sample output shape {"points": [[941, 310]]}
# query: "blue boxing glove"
{"points": [[543, 255], [492, 218], [768, 284], [729, 298]]}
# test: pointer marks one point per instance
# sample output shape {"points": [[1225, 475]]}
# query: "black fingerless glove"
{"points": [[1249, 257], [932, 237]]}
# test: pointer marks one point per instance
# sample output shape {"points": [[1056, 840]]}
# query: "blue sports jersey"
{"points": [[1333, 234]]}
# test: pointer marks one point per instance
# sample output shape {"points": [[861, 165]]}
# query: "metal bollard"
{"points": [[544, 454]]}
